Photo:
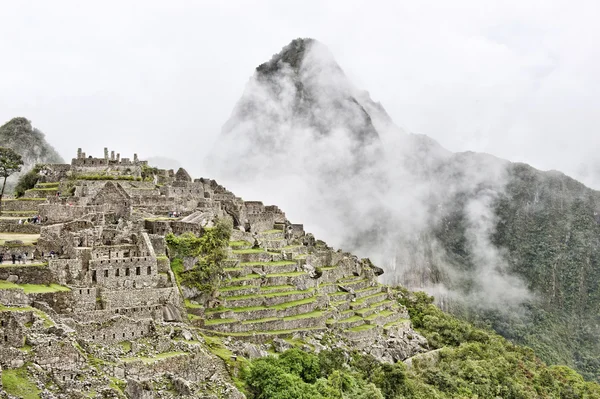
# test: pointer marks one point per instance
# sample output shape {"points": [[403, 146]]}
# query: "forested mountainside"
{"points": [[499, 243], [29, 142]]}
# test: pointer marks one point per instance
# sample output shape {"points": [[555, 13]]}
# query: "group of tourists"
{"points": [[18, 258], [174, 214], [23, 257], [36, 219]]}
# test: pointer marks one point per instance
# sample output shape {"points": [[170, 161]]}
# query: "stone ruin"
{"points": [[100, 286]]}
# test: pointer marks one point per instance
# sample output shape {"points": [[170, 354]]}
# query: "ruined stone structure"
{"points": [[96, 296]]}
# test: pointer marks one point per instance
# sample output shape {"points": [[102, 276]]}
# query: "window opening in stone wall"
{"points": [[149, 270], [106, 273], [127, 271], [137, 271], [88, 290], [117, 273], [93, 276]]}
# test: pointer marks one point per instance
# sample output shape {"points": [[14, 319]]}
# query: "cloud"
{"points": [[304, 138]]}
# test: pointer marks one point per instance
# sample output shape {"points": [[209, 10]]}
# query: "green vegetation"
{"points": [[17, 382], [148, 359], [234, 244], [33, 288], [549, 228], [28, 181], [209, 249], [472, 363], [10, 162]]}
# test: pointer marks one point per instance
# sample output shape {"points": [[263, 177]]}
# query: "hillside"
{"points": [[141, 282], [30, 143], [498, 243]]}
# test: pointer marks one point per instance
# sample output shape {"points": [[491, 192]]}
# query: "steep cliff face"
{"points": [[29, 142], [489, 238]]}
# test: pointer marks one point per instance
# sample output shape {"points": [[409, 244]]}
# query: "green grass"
{"points": [[271, 295], [362, 327], [17, 382], [275, 287], [384, 313], [213, 322], [276, 263], [48, 184], [251, 276], [25, 199], [34, 288], [190, 305], [44, 189], [396, 323], [242, 243], [373, 306], [125, 345], [256, 321], [363, 299], [289, 274], [148, 360], [27, 239], [281, 306], [316, 313]]}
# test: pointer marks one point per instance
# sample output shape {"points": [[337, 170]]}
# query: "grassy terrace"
{"points": [[310, 315], [271, 231], [24, 199], [276, 263], [10, 265], [366, 298], [249, 251], [56, 184], [384, 313], [276, 287], [271, 295], [44, 189], [234, 244], [396, 323], [28, 239], [282, 306], [33, 288], [147, 360], [362, 327], [374, 306], [253, 333], [214, 322]]}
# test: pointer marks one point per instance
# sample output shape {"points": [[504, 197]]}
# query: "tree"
{"points": [[10, 162]]}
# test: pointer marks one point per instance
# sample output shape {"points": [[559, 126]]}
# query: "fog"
{"points": [[300, 138], [516, 79]]}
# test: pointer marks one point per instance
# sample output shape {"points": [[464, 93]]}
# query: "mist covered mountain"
{"points": [[29, 142], [500, 243]]}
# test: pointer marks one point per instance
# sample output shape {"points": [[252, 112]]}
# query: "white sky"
{"points": [[518, 79]]}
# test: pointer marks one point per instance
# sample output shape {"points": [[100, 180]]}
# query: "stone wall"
{"points": [[145, 297], [124, 273], [28, 274], [118, 328]]}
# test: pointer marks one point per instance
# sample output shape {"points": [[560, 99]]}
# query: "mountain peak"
{"points": [[293, 54]]}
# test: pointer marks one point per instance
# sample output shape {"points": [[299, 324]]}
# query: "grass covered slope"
{"points": [[470, 363]]}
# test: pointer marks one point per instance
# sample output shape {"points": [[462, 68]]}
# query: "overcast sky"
{"points": [[518, 79]]}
